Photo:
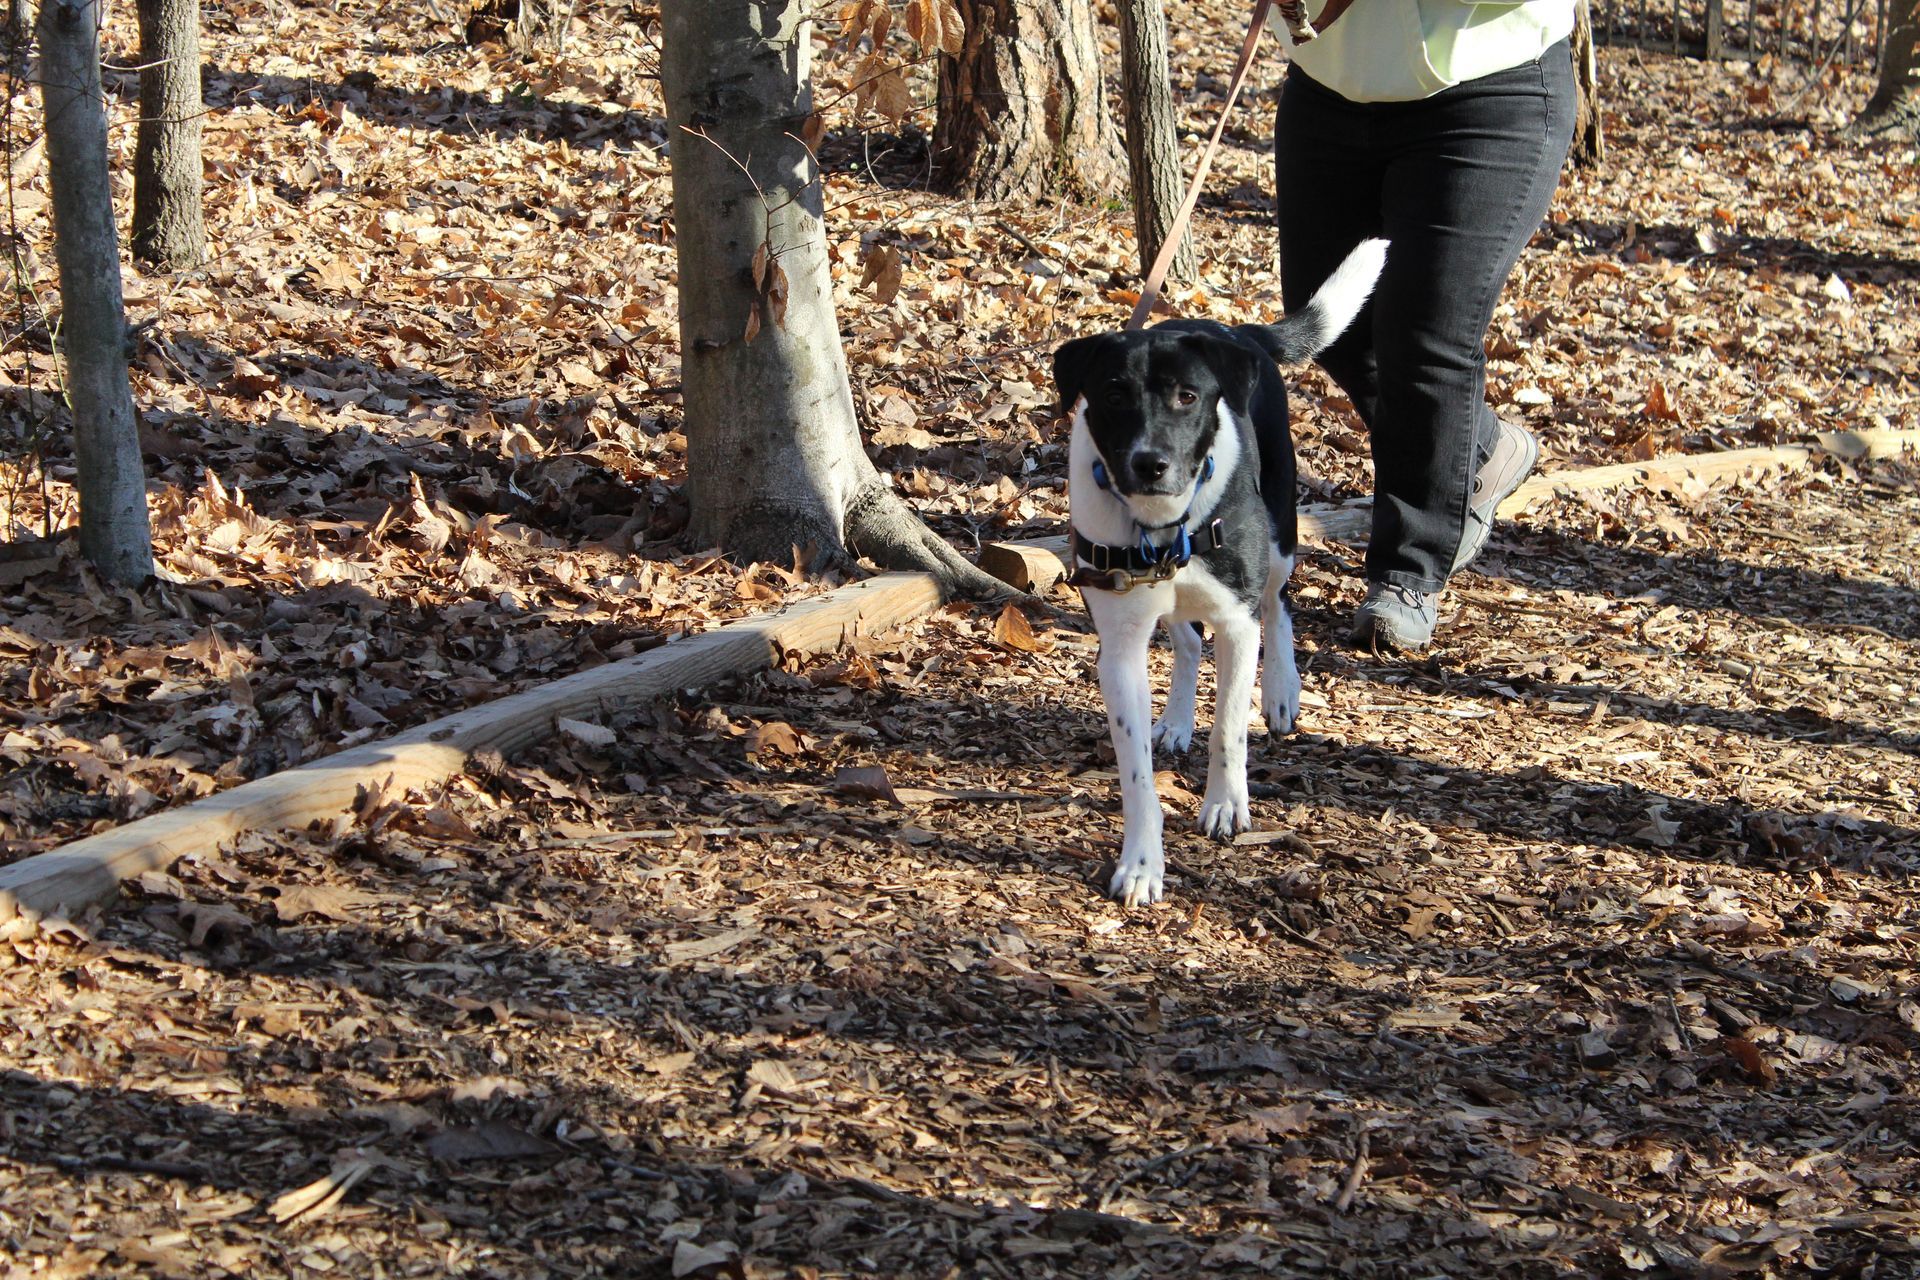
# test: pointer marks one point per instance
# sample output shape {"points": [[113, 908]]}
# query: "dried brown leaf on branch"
{"points": [[937, 25]]}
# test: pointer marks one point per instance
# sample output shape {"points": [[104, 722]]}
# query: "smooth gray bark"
{"points": [[114, 532], [774, 457], [1153, 141], [168, 229], [1022, 110]]}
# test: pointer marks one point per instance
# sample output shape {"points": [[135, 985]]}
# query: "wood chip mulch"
{"points": [[1584, 946]]}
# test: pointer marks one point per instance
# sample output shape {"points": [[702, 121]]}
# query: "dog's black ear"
{"points": [[1070, 364], [1235, 367]]}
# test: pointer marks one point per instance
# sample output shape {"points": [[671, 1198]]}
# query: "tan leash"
{"points": [[1295, 15]]}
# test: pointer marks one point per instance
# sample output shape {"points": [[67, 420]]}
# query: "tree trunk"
{"points": [[114, 533], [1894, 110], [774, 458], [526, 25], [168, 231], [1153, 143], [1589, 140], [1021, 109]]}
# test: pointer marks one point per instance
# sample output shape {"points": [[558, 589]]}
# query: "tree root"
{"points": [[1895, 122], [775, 532], [882, 527]]}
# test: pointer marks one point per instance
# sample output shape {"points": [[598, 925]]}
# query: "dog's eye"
{"points": [[1186, 397], [1116, 395]]}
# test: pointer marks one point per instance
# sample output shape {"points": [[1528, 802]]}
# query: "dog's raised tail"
{"points": [[1306, 333]]}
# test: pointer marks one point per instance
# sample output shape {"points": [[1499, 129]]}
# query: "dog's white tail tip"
{"points": [[1342, 296]]}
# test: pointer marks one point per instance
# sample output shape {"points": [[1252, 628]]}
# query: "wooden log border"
{"points": [[87, 872], [1037, 565]]}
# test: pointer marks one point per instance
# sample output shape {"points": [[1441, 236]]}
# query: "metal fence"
{"points": [[1817, 32]]}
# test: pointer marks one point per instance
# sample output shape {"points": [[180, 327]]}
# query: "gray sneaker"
{"points": [[1394, 618], [1514, 453]]}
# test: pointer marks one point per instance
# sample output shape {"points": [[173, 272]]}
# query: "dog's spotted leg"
{"points": [[1173, 731], [1125, 633], [1279, 676], [1224, 811]]}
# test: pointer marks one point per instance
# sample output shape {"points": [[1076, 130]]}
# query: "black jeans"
{"points": [[1458, 183]]}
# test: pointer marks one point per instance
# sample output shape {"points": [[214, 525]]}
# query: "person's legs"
{"points": [[1471, 173], [1329, 189]]}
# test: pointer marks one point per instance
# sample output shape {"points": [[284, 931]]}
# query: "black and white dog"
{"points": [[1181, 483]]}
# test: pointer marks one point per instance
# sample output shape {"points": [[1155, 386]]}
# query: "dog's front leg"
{"points": [[1224, 811], [1125, 633], [1279, 676], [1174, 729]]}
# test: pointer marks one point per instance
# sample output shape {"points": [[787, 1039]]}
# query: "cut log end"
{"points": [[1026, 566]]}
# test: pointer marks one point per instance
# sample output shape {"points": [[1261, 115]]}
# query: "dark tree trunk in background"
{"points": [[774, 457], [114, 532], [524, 25], [168, 231], [1894, 110], [1022, 111], [1589, 139], [1153, 143]]}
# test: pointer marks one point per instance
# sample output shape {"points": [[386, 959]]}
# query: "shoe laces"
{"points": [[1418, 601]]}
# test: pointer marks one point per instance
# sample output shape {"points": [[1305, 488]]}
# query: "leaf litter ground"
{"points": [[1583, 947]]}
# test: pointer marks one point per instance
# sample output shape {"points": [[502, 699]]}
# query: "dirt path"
{"points": [[1586, 947]]}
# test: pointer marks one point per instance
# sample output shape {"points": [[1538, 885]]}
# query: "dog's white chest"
{"points": [[1198, 596]]}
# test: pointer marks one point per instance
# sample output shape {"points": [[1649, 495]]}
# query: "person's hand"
{"points": [[1331, 14], [1294, 13]]}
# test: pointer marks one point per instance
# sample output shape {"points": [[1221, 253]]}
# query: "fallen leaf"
{"points": [[777, 737], [867, 781], [1267, 1123], [708, 947], [295, 902], [1751, 1060], [204, 919], [1011, 630], [596, 736], [1658, 830], [690, 1258]]}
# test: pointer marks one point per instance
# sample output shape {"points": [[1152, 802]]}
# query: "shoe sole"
{"points": [[1370, 631]]}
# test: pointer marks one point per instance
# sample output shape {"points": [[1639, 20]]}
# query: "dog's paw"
{"points": [[1281, 705], [1172, 733], [1140, 878], [1224, 814]]}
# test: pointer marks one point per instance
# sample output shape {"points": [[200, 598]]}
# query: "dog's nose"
{"points": [[1149, 465]]}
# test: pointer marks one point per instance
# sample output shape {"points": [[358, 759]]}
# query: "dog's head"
{"points": [[1153, 401]]}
